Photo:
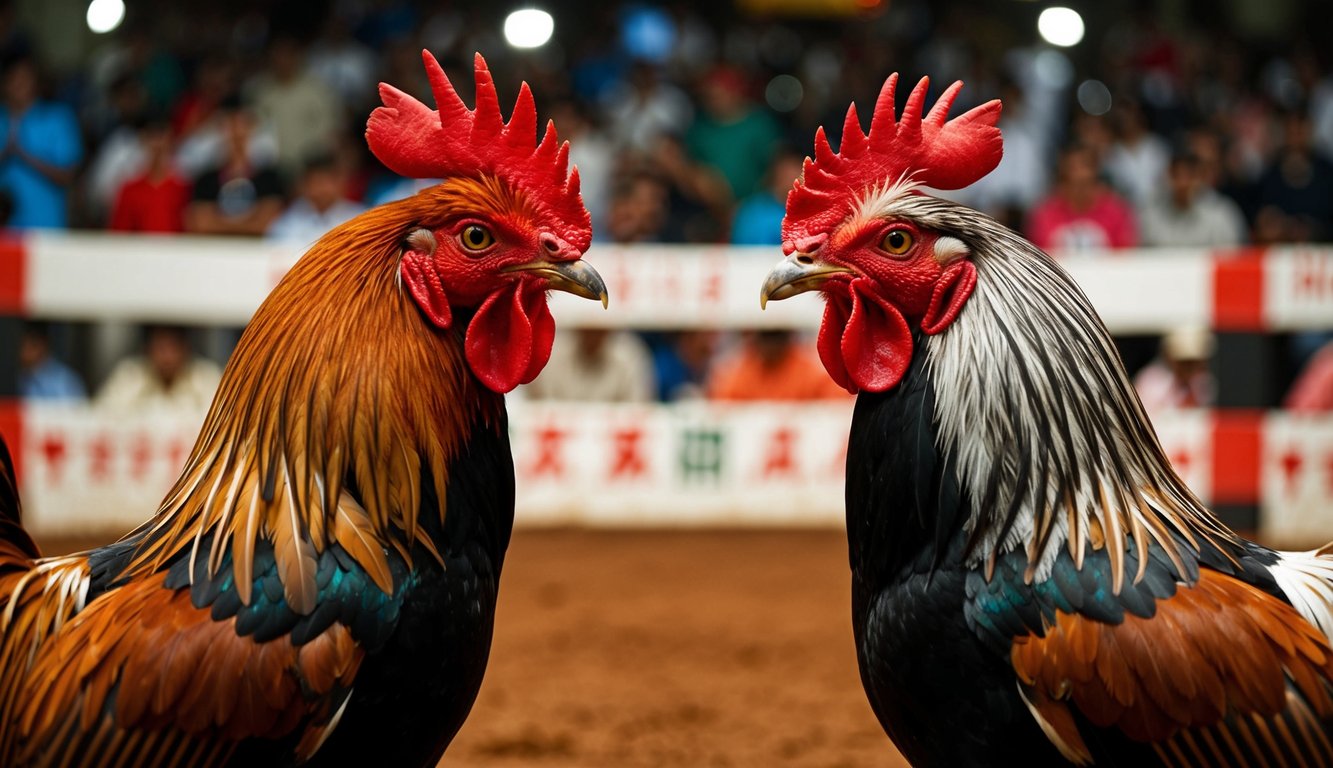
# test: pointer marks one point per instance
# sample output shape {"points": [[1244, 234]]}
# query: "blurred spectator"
{"points": [[1082, 213], [681, 361], [1023, 174], [1189, 213], [119, 155], [342, 63], [155, 200], [591, 151], [698, 198], [758, 219], [42, 149], [771, 365], [1136, 162], [1179, 377], [596, 364], [168, 378], [638, 210], [1312, 392], [320, 204], [644, 108], [1295, 191], [41, 375], [304, 113], [194, 116], [239, 197], [730, 133]]}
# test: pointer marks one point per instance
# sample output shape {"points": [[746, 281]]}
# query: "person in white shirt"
{"points": [[167, 378], [1188, 213], [319, 206]]}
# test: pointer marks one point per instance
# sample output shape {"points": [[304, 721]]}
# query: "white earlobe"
{"points": [[949, 249]]}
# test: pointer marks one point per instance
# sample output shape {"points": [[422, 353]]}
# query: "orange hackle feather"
{"points": [[326, 387]]}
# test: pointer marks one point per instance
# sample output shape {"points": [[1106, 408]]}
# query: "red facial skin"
{"points": [[510, 334], [865, 340]]}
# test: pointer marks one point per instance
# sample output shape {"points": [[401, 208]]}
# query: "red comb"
{"points": [[413, 140], [928, 151]]}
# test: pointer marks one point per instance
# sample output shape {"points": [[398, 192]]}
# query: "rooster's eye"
{"points": [[475, 237], [898, 241]]}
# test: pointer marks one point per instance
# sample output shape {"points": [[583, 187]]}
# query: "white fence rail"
{"points": [[222, 281]]}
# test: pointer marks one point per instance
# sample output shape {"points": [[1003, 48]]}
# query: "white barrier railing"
{"points": [[687, 464], [222, 281]]}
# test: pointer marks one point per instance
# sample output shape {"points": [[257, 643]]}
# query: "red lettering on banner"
{"points": [[550, 447], [54, 450], [1291, 466], [629, 461], [623, 285], [1180, 460], [838, 468], [99, 458], [780, 459], [177, 453], [141, 456], [1313, 279], [670, 286], [712, 287]]}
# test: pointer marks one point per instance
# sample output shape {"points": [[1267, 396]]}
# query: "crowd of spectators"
{"points": [[688, 125]]}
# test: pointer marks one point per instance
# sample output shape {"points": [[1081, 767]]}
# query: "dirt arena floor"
{"points": [[629, 649]]}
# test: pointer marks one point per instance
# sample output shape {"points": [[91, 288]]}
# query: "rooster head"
{"points": [[849, 232], [505, 224]]}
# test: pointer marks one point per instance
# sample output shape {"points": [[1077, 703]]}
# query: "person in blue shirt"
{"points": [[41, 375], [758, 219], [40, 149]]}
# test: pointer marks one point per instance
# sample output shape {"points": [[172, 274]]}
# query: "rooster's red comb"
{"points": [[926, 150], [413, 140]]}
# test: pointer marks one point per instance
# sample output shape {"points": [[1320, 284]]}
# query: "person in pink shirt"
{"points": [[1082, 213]]}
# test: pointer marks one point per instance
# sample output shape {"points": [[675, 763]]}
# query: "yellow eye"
{"points": [[898, 242], [475, 237]]}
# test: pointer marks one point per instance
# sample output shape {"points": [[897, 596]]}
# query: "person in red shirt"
{"points": [[1082, 213], [155, 200]]}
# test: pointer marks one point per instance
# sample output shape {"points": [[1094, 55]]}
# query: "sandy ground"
{"points": [[726, 649]]}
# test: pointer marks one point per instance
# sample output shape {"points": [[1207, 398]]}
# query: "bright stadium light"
{"points": [[529, 28], [1060, 26], [105, 15]]}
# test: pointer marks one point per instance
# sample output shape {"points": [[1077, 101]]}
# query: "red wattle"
{"points": [[837, 308], [510, 336], [877, 345], [864, 342]]}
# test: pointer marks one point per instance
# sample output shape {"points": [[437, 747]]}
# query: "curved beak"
{"points": [[798, 273], [576, 277]]}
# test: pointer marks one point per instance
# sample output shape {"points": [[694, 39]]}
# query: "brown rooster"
{"points": [[1032, 583], [320, 583]]}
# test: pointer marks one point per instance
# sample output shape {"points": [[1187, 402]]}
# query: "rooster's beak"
{"points": [[798, 273], [576, 277]]}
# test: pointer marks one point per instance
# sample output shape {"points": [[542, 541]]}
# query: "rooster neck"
{"points": [[338, 399], [1036, 421], [904, 512]]}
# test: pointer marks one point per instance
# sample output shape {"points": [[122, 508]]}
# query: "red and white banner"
{"points": [[690, 464], [222, 281]]}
